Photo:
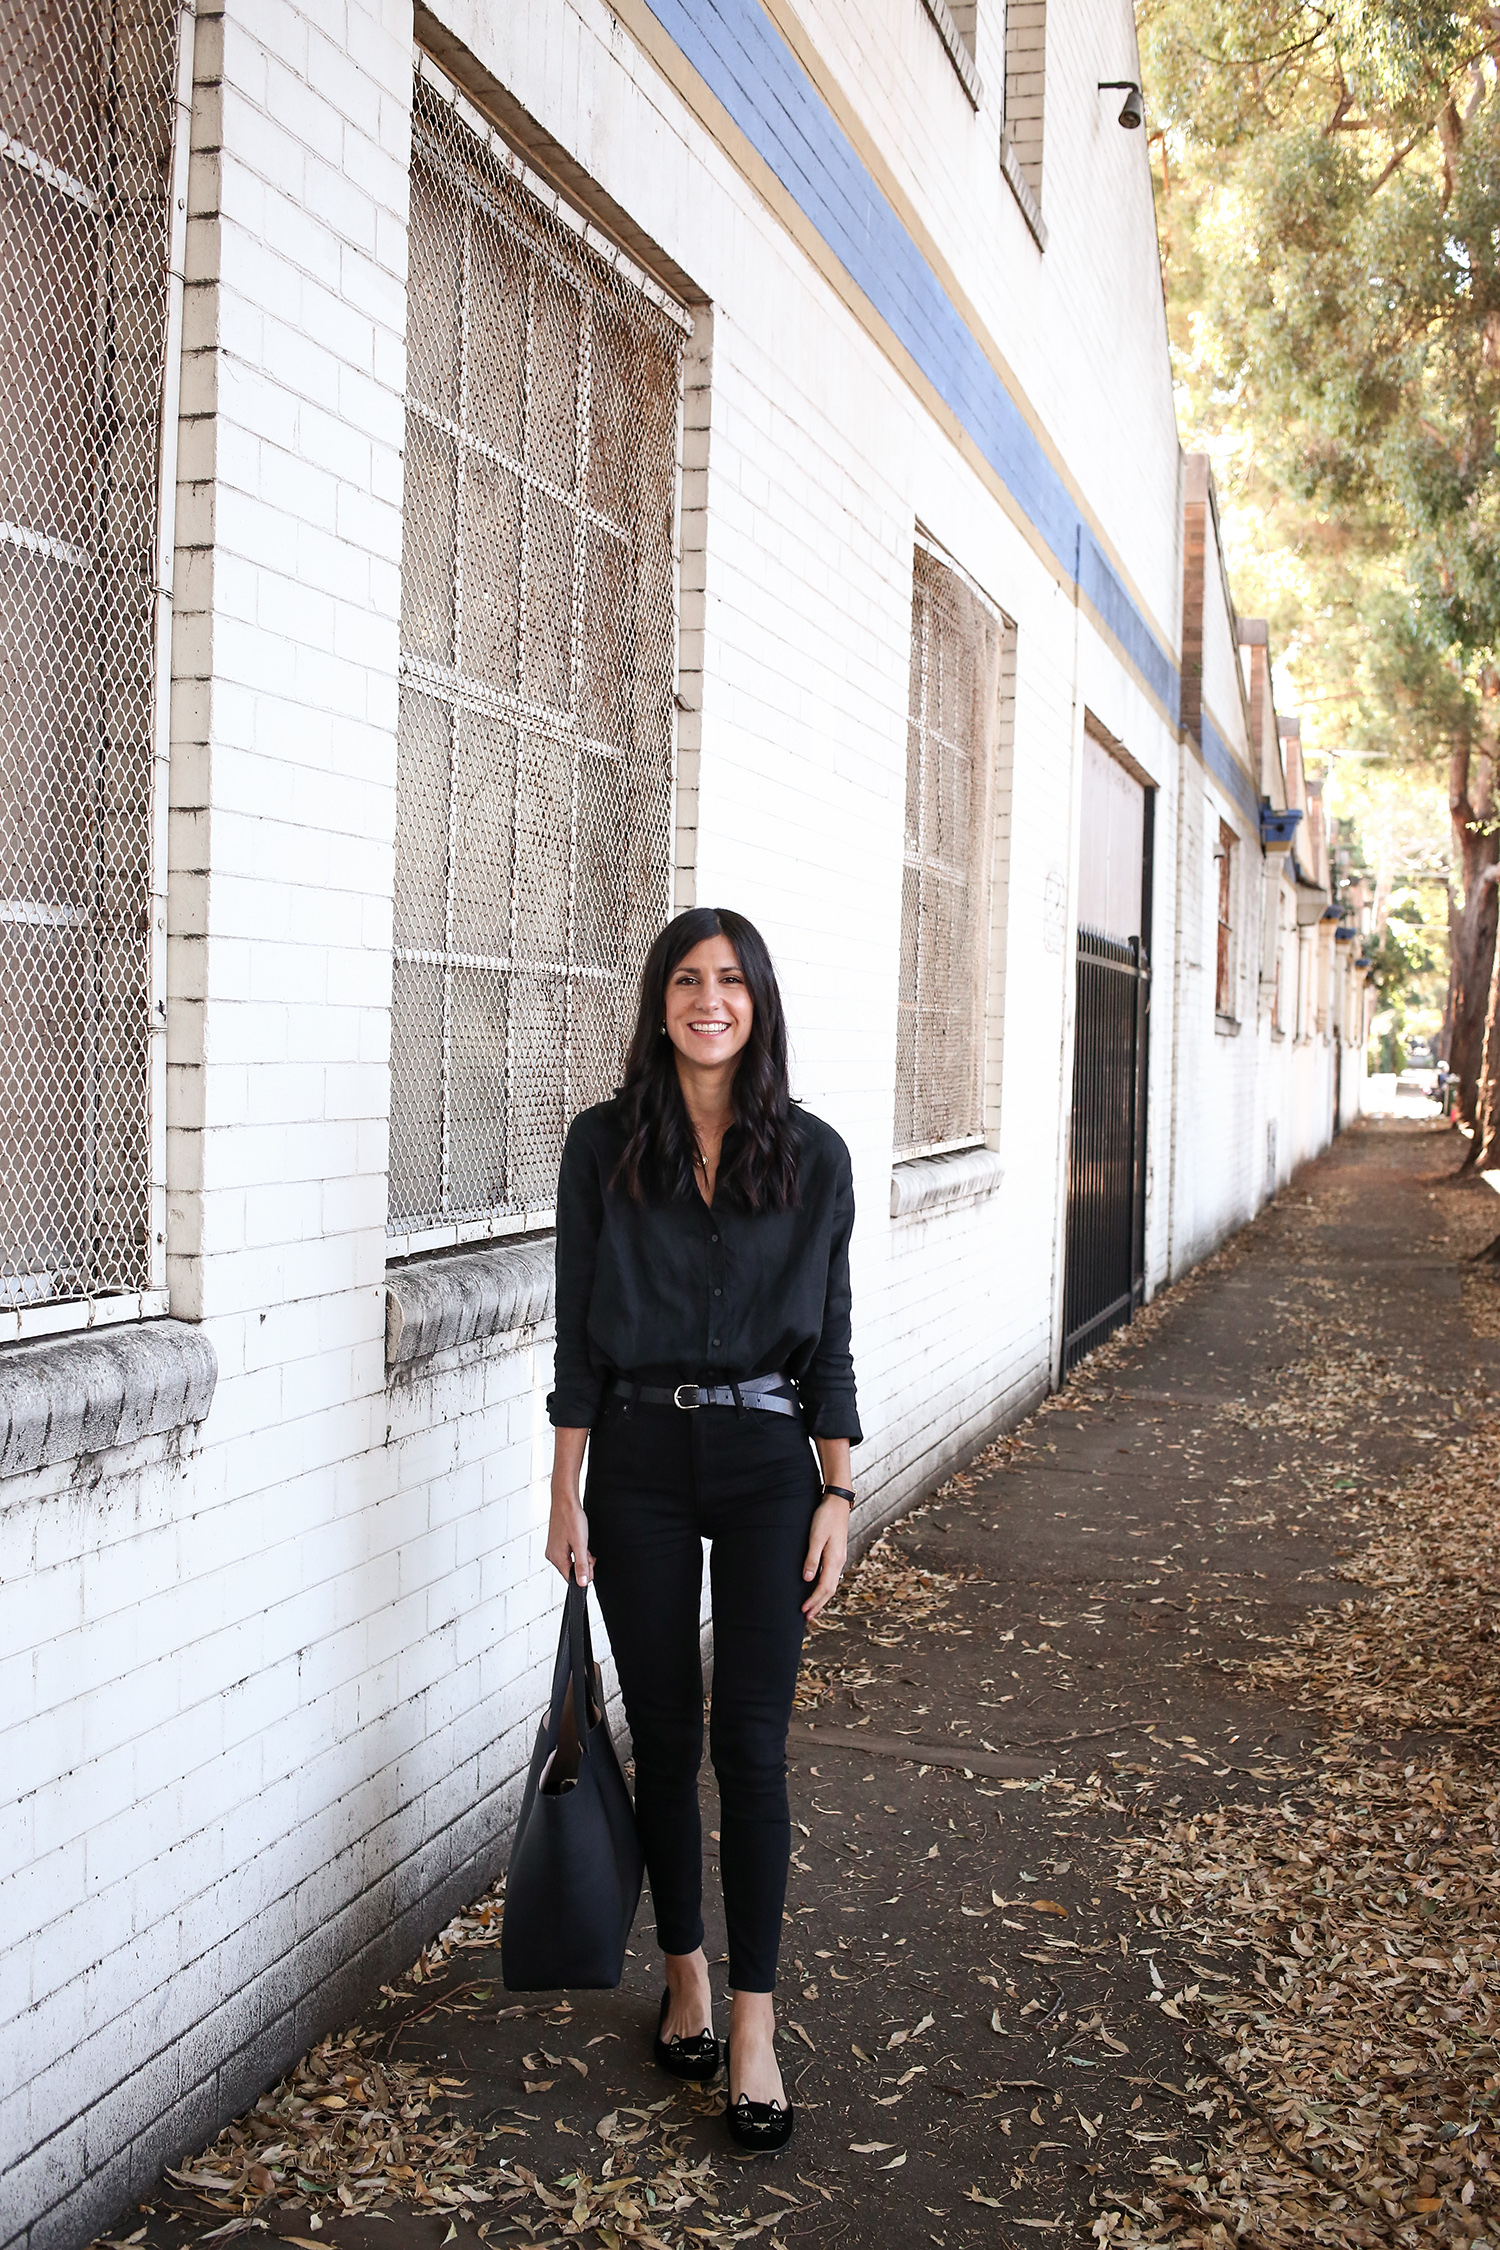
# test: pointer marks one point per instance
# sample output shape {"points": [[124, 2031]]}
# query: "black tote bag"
{"points": [[575, 1869]]}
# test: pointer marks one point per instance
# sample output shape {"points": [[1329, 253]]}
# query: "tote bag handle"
{"points": [[581, 1651]]}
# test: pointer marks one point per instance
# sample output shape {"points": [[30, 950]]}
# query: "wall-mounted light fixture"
{"points": [[1132, 110]]}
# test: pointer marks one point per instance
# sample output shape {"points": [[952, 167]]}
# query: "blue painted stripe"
{"points": [[741, 56], [1226, 768], [1101, 586]]}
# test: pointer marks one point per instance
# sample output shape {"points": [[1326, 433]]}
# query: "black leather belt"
{"points": [[758, 1391]]}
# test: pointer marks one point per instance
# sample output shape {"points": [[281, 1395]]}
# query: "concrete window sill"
{"points": [[72, 1395], [1227, 1027], [1020, 188], [931, 1183], [439, 1303], [957, 52]]}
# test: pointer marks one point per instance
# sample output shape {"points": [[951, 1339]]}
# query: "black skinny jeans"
{"points": [[661, 1481]]}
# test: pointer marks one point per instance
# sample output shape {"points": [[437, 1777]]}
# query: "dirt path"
{"points": [[988, 2038]]}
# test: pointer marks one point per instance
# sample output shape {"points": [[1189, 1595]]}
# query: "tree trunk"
{"points": [[1472, 938], [1445, 1036], [1486, 1141], [1471, 928]]}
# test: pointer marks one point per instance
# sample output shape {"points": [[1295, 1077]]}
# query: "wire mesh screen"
{"points": [[85, 154], [538, 669], [953, 715]]}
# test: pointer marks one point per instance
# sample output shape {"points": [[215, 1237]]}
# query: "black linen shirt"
{"points": [[685, 1292]]}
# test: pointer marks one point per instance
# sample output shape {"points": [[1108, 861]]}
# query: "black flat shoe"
{"points": [[761, 2128], [697, 2057]]}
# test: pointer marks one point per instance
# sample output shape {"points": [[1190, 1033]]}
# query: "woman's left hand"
{"points": [[827, 1552]]}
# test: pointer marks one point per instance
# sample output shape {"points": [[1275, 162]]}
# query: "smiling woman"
{"points": [[703, 1227], [710, 1051]]}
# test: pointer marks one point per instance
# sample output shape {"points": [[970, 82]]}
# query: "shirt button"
{"points": [[718, 1292], [713, 1339], [713, 1238]]}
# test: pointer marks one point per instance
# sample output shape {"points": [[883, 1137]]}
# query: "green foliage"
{"points": [[1411, 970], [1410, 955], [1393, 833], [1329, 200]]}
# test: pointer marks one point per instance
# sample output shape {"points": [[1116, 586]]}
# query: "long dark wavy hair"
{"points": [[658, 1158]]}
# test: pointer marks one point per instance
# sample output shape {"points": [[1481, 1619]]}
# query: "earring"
{"points": [[662, 1033]]}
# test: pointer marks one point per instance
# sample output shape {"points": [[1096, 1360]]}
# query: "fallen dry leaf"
{"points": [[359, 2132], [898, 1593], [1354, 2026]]}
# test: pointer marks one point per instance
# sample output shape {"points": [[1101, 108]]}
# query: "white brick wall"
{"points": [[1229, 1088], [1101, 388], [201, 1725], [266, 1691]]}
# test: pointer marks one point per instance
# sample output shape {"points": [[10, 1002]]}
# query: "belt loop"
{"points": [[739, 1405]]}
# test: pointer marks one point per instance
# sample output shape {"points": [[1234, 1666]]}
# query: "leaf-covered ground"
{"points": [[1144, 1866], [1353, 2019]]}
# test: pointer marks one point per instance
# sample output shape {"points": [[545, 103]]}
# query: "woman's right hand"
{"points": [[568, 1538], [568, 1531]]}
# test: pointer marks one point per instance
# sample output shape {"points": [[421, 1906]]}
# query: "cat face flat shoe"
{"points": [[697, 2057], [760, 2128]]}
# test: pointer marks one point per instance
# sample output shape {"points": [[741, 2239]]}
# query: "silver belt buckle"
{"points": [[687, 1404]]}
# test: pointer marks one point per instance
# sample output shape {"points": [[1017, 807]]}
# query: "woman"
{"points": [[702, 1338]]}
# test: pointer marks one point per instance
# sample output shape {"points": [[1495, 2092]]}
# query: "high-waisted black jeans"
{"points": [[661, 1481]]}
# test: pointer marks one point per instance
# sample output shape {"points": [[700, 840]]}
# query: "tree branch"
{"points": [[1276, 55], [1342, 106], [1448, 109], [1402, 154]]}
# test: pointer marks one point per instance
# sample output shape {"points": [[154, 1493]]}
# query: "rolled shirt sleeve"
{"points": [[577, 1386], [827, 1388]]}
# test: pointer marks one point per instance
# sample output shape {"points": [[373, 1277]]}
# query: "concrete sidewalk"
{"points": [[1031, 1663]]}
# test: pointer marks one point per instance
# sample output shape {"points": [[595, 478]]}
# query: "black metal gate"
{"points": [[1105, 1271]]}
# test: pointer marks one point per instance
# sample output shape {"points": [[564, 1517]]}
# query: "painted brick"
{"points": [[276, 1689]]}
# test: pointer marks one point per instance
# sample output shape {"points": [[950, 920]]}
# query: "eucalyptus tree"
{"points": [[1328, 187]]}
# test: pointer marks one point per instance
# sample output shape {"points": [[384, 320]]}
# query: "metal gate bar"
{"points": [[1104, 1275]]}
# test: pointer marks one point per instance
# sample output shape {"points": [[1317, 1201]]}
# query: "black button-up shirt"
{"points": [[686, 1292]]}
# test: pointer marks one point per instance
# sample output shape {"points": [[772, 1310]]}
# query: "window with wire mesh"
{"points": [[956, 641], [86, 108], [538, 669], [1224, 967]]}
